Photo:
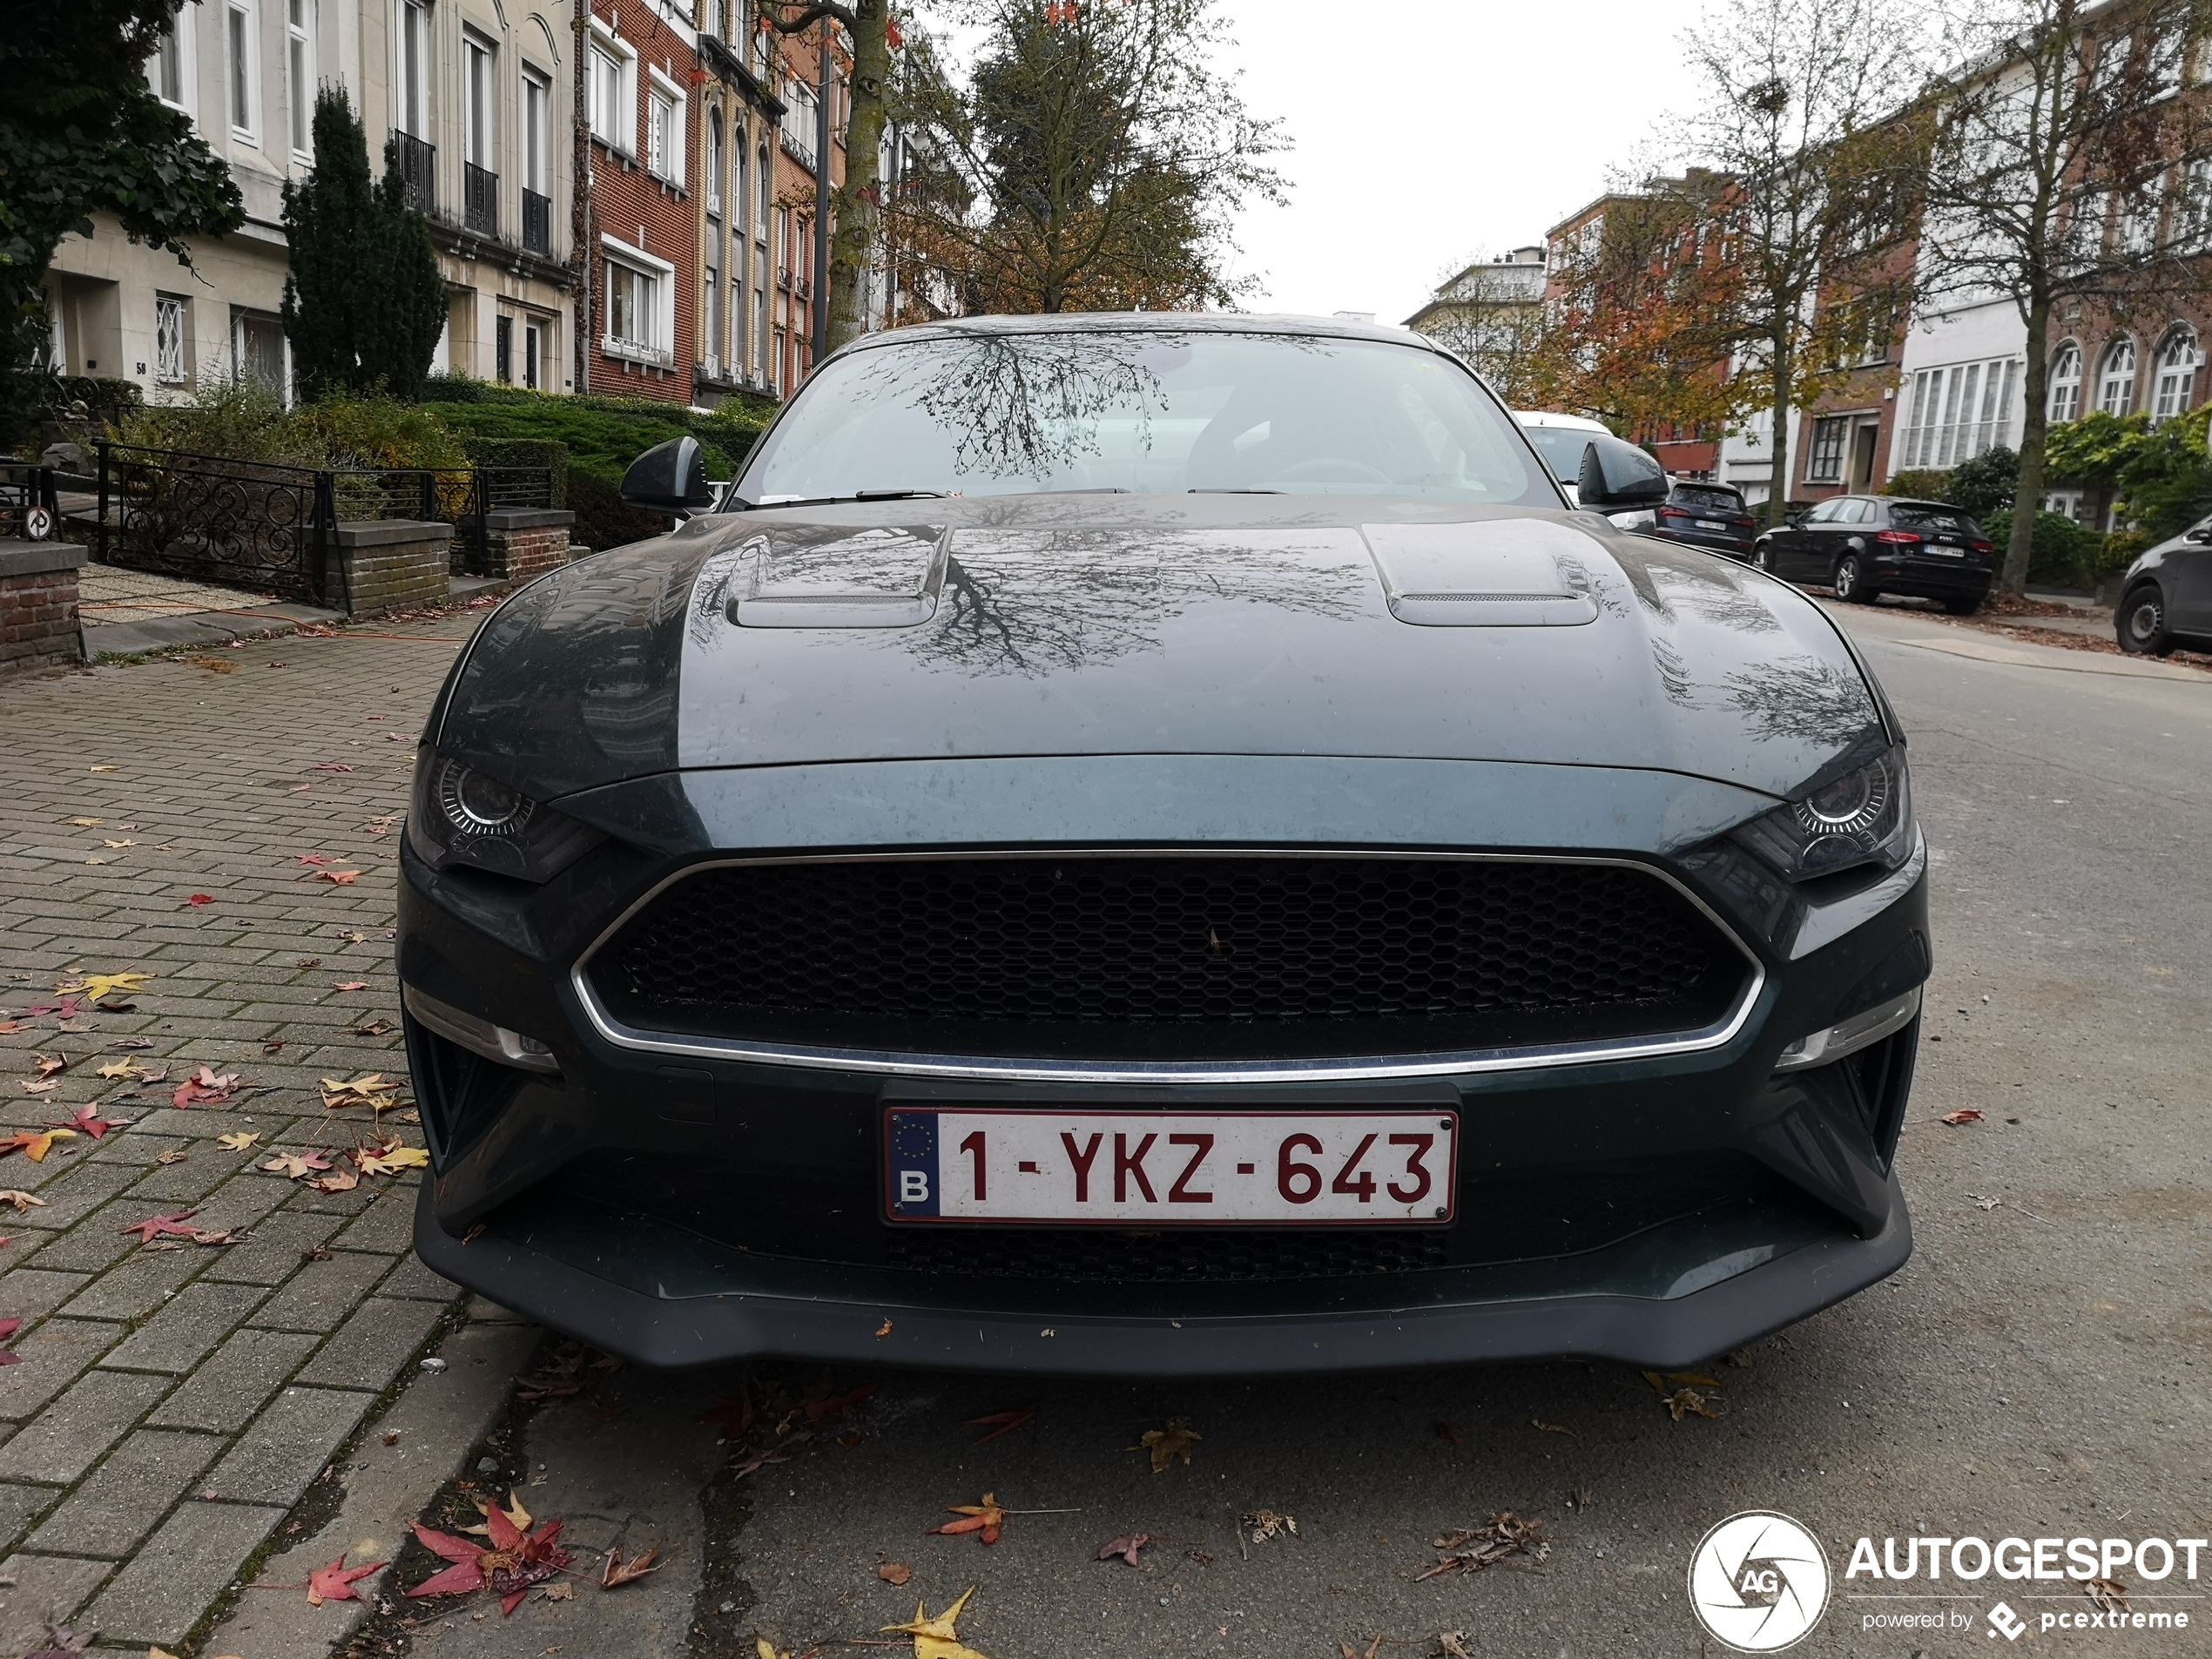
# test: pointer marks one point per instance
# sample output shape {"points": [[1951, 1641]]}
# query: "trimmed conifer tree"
{"points": [[364, 303]]}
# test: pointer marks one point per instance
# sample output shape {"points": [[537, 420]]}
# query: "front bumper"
{"points": [[687, 1208], [599, 1297]]}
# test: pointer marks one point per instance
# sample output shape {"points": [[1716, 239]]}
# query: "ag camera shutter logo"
{"points": [[1758, 1581]]}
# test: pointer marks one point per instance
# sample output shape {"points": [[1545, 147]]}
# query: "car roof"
{"points": [[1547, 418], [1219, 322], [1940, 506]]}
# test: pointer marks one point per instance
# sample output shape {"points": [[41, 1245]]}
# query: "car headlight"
{"points": [[463, 816], [1863, 817]]}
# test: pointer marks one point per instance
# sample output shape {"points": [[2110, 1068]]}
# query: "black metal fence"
{"points": [[272, 527], [479, 198]]}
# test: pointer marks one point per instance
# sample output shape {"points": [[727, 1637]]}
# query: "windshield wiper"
{"points": [[858, 495], [1227, 491]]}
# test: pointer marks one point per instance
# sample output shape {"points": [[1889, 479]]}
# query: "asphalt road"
{"points": [[2040, 1369]]}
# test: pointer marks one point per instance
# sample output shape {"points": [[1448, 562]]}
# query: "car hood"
{"points": [[1070, 625]]}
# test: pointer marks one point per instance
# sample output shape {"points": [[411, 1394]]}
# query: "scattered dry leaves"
{"points": [[1260, 1527], [517, 1561], [296, 1166], [1960, 1118], [1472, 1549], [1683, 1400], [893, 1573], [153, 1227], [174, 1155], [24, 1202], [2109, 1594], [1551, 1429], [619, 1572]]}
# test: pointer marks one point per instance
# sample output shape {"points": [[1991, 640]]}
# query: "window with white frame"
{"points": [[165, 70], [169, 314], [767, 185], [477, 98], [244, 82], [2116, 377], [612, 86], [1959, 411], [799, 107], [537, 98], [713, 318], [2178, 359], [640, 304], [664, 130], [413, 45], [714, 161], [300, 73], [2066, 384], [737, 182]]}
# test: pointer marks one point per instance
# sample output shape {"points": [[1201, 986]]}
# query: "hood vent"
{"points": [[1485, 573], [805, 575]]}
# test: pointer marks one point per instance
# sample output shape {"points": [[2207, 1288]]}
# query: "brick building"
{"points": [[640, 335]]}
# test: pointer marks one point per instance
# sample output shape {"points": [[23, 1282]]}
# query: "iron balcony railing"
{"points": [[479, 198], [418, 169], [538, 222]]}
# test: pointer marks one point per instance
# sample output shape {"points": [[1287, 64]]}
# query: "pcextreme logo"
{"points": [[1758, 1581]]}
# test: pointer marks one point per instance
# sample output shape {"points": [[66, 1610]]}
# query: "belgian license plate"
{"points": [[955, 1162], [1944, 550], [1711, 524]]}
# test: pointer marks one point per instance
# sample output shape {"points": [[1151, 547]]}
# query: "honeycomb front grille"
{"points": [[1175, 956]]}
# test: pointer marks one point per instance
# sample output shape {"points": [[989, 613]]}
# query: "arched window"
{"points": [[737, 185], [714, 161], [2116, 379], [2066, 383], [2178, 359]]}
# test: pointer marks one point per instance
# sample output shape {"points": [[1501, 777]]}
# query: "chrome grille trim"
{"points": [[1014, 1069]]}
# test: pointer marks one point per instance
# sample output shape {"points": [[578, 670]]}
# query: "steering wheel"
{"points": [[1330, 470]]}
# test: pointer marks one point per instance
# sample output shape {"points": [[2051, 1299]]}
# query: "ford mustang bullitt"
{"points": [[1160, 845]]}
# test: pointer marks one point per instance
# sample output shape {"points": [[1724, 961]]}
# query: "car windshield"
{"points": [[1143, 411], [1909, 515], [1707, 499], [1562, 447]]}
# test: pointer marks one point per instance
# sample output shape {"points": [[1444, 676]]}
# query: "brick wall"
{"points": [[39, 624], [634, 208], [392, 562], [523, 542]]}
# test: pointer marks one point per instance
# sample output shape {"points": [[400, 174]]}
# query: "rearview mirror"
{"points": [[670, 478], [2198, 533], [1616, 475], [1793, 520]]}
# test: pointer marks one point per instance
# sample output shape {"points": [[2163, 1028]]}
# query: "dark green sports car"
{"points": [[1160, 844]]}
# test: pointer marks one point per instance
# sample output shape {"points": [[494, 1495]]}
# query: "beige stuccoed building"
{"points": [[480, 95]]}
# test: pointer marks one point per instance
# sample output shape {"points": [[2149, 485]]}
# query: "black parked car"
{"points": [[1712, 516], [1157, 844], [2165, 599], [1865, 546]]}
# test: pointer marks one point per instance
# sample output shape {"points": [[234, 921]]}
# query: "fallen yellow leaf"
{"points": [[240, 1141], [93, 986], [1167, 1444], [392, 1162], [936, 1638], [120, 1068]]}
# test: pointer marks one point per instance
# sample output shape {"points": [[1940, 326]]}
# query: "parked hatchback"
{"points": [[1712, 516], [1865, 546], [2166, 599]]}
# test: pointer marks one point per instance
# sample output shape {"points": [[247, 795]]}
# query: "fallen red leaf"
{"points": [[9, 1328], [331, 766], [206, 1084], [1125, 1546], [335, 1582], [1006, 1422], [515, 1560], [894, 1573], [350, 985], [986, 1518], [341, 877], [197, 899], [1960, 1119], [87, 1123], [316, 858], [154, 1226], [1446, 1432]]}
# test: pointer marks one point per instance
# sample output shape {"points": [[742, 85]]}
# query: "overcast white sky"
{"points": [[1429, 129]]}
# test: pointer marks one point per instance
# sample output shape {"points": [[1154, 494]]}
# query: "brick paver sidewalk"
{"points": [[174, 1402]]}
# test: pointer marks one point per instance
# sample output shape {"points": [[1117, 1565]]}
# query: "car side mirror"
{"points": [[670, 478], [1616, 475], [1794, 521], [2200, 533]]}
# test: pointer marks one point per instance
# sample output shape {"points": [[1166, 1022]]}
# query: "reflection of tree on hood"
{"points": [[1074, 598]]}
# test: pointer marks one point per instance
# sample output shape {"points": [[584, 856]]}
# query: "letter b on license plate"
{"points": [[1396, 1167]]}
